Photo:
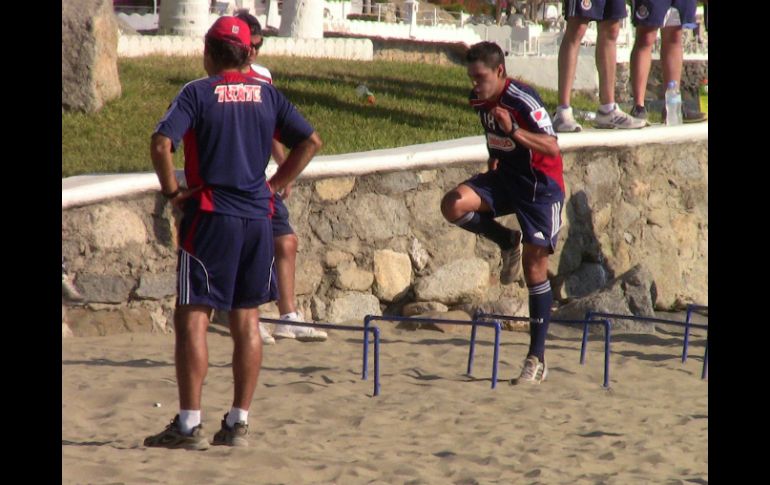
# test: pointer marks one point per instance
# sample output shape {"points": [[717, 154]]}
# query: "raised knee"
{"points": [[287, 244], [449, 206]]}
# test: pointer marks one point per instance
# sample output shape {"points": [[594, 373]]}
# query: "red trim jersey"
{"points": [[227, 122], [533, 175]]}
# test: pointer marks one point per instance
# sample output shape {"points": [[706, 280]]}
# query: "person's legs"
{"points": [[466, 208], [191, 361], [606, 59], [564, 120], [641, 60], [671, 54], [568, 53], [285, 264]]}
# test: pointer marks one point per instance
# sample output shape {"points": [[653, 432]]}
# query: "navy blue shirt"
{"points": [[536, 174], [227, 123]]}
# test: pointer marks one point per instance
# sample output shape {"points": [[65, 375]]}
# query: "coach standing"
{"points": [[227, 122]]}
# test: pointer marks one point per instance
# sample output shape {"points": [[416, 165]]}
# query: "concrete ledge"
{"points": [[86, 189]]}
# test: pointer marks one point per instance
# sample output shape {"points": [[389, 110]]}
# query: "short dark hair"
{"points": [[226, 55], [252, 22], [487, 52]]}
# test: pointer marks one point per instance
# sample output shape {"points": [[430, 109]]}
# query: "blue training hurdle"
{"points": [[686, 324], [375, 331], [607, 337], [496, 325]]}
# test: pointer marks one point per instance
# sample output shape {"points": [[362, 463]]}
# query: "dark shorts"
{"points": [[281, 226], [595, 9], [652, 13], [540, 221], [225, 262]]}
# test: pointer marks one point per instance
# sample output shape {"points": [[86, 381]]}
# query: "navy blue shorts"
{"points": [[225, 262], [281, 226], [540, 221], [595, 9], [652, 13]]}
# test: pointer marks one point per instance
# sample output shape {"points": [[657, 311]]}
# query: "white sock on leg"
{"points": [[236, 415], [188, 419]]}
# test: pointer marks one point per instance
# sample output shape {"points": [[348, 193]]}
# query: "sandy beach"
{"points": [[314, 421]]}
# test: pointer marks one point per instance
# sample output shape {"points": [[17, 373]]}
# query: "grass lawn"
{"points": [[415, 103]]}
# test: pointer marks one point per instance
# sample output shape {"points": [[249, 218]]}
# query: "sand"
{"points": [[314, 421]]}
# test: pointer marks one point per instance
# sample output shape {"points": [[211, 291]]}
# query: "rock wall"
{"points": [[376, 243]]}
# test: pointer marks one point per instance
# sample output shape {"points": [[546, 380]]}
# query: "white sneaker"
{"points": [[618, 119], [564, 121], [303, 334], [267, 339], [533, 372], [511, 270]]}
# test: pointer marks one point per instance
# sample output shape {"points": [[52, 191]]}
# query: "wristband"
{"points": [[172, 194]]}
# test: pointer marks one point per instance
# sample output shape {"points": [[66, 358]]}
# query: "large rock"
{"points": [[589, 277], [115, 226], [398, 182], [457, 282], [308, 275], [393, 274], [105, 288], [374, 216], [352, 307], [334, 258], [418, 307], [418, 254], [350, 277], [92, 323], [330, 190], [89, 51], [156, 286], [632, 293]]}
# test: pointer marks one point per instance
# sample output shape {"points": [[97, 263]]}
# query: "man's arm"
{"points": [[279, 155], [163, 162], [295, 163], [539, 142]]}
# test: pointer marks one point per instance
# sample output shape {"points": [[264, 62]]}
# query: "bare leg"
{"points": [[671, 53], [461, 200], [285, 264], [247, 354], [568, 52], [606, 59], [191, 354], [641, 60]]}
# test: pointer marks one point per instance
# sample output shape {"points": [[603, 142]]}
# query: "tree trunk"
{"points": [[302, 19]]}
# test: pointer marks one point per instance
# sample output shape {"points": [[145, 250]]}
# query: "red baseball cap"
{"points": [[231, 30]]}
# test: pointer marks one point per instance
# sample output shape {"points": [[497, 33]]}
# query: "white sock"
{"points": [[607, 108], [236, 415], [188, 419], [289, 316], [561, 108]]}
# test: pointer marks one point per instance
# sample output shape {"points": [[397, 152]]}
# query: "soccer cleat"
{"points": [[639, 112], [303, 334], [511, 270], [533, 372], [172, 437], [617, 119], [235, 436], [564, 121]]}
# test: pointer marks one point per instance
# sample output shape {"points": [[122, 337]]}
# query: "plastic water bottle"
{"points": [[673, 104]]}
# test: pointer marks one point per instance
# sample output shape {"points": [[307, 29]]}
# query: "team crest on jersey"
{"points": [[642, 12], [586, 4], [540, 116], [502, 143]]}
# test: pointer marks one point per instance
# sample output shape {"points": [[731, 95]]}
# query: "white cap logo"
{"points": [[236, 29]]}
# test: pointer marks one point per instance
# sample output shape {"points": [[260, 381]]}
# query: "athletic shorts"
{"points": [[663, 13], [595, 9], [225, 262], [281, 226], [540, 221]]}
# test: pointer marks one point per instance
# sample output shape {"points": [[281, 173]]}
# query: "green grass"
{"points": [[415, 103]]}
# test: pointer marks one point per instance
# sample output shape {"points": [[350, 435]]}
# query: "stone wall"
{"points": [[374, 243], [693, 72]]}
